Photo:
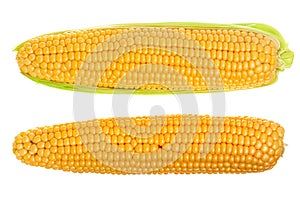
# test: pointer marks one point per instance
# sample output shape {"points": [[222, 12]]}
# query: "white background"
{"points": [[25, 104]]}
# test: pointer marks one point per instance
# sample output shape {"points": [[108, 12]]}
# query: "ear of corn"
{"points": [[157, 58], [155, 145]]}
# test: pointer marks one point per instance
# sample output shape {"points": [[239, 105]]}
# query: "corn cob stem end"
{"points": [[286, 58]]}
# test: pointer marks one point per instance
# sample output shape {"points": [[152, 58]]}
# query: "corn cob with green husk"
{"points": [[180, 144], [157, 58]]}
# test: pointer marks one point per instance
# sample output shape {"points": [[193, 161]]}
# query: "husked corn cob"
{"points": [[157, 58], [155, 145]]}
